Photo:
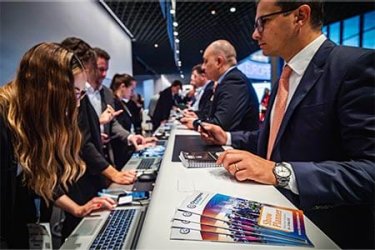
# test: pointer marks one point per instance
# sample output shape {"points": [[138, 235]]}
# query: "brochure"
{"points": [[233, 225], [237, 233], [235, 216]]}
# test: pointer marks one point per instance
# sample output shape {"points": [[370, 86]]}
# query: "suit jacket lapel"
{"points": [[310, 78]]}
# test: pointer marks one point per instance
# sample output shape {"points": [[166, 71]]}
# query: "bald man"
{"points": [[235, 105]]}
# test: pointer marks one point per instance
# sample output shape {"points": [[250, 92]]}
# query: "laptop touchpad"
{"points": [[88, 227]]}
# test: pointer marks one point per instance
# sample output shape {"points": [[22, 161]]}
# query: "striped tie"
{"points": [[280, 107]]}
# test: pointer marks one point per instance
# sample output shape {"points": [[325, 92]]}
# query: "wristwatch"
{"points": [[282, 174]]}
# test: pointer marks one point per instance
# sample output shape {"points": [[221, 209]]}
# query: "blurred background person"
{"points": [[264, 104], [168, 98]]}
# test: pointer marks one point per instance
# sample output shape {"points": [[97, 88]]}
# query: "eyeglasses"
{"points": [[259, 23], [79, 94]]}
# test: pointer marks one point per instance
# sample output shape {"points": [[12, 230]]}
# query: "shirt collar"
{"points": [[90, 89], [302, 59], [225, 73]]}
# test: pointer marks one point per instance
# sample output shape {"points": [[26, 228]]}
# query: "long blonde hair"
{"points": [[40, 107]]}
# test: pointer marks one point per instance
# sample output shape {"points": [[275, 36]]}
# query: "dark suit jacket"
{"points": [[235, 105], [136, 112], [204, 107], [163, 107], [114, 129], [92, 154], [328, 135], [17, 207], [121, 151]]}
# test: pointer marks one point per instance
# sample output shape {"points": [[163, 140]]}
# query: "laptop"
{"points": [[148, 159], [116, 229]]}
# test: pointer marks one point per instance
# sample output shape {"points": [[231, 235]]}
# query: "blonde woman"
{"points": [[40, 140]]}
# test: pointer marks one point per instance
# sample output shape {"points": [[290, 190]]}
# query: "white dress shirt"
{"points": [[200, 92], [298, 64], [95, 100]]}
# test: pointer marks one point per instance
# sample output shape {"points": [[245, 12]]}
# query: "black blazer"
{"points": [[17, 207], [328, 135], [121, 151], [204, 107], [88, 186], [136, 112], [113, 129], [235, 105], [163, 107]]}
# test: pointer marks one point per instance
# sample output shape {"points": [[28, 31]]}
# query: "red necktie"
{"points": [[280, 107]]}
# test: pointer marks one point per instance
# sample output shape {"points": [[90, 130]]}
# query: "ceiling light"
{"points": [[175, 24], [182, 76], [213, 12], [232, 9], [172, 11], [175, 33], [177, 40], [201, 51], [156, 45], [179, 63], [177, 51]]}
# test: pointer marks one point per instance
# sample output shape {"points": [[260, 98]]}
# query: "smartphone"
{"points": [[129, 197], [140, 195]]}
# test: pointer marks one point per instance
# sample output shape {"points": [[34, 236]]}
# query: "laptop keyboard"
{"points": [[115, 229], [145, 164]]}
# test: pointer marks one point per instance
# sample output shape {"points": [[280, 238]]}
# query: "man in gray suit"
{"points": [[102, 99]]}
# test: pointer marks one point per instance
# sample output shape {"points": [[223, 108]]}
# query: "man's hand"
{"points": [[124, 177], [247, 166], [137, 141], [188, 122], [108, 114], [212, 134], [120, 177]]}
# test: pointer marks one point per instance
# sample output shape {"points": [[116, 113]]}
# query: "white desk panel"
{"points": [[175, 183]]}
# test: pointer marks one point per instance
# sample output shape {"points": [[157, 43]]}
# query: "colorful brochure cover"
{"points": [[232, 226], [255, 217], [239, 234]]}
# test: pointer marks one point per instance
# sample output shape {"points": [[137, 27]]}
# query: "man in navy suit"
{"points": [[235, 104], [201, 108], [323, 155]]}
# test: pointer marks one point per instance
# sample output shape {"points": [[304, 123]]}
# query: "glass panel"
{"points": [[334, 32], [351, 27], [369, 21], [369, 39], [353, 41]]}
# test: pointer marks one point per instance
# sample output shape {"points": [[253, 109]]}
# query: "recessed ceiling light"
{"points": [[177, 40], [232, 9], [201, 51], [172, 11], [182, 76], [213, 12], [175, 24], [175, 33], [156, 45], [177, 51]]}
